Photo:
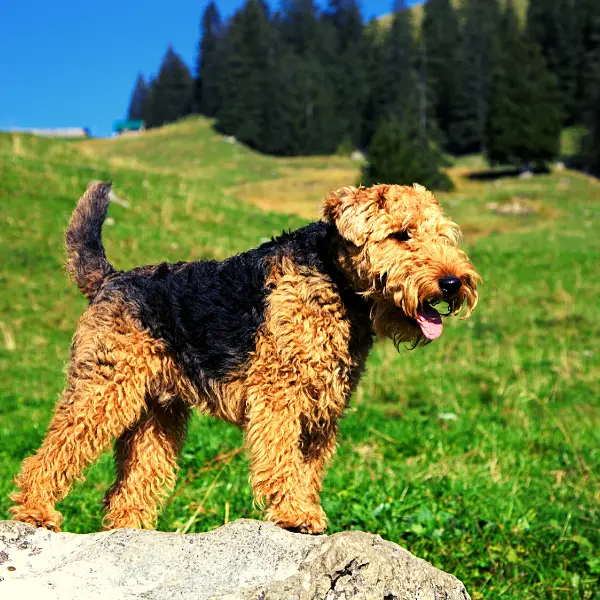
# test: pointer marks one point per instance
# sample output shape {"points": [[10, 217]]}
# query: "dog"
{"points": [[273, 340]]}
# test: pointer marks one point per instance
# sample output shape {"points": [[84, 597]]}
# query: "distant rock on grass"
{"points": [[242, 560]]}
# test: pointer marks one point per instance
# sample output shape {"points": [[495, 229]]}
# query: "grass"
{"points": [[479, 453]]}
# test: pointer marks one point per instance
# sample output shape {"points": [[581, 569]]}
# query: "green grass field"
{"points": [[479, 453]]}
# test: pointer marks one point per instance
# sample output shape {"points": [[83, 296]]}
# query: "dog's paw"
{"points": [[48, 519], [309, 520], [128, 519], [305, 529]]}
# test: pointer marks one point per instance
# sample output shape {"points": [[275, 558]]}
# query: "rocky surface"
{"points": [[242, 560]]}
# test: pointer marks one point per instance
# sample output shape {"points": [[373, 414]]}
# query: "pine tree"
{"points": [[316, 128], [399, 91], [444, 67], [279, 136], [398, 153], [591, 142], [135, 112], [149, 108], [399, 120], [541, 24], [524, 120], [245, 73], [375, 44], [209, 63], [348, 67], [591, 44], [298, 25], [557, 26], [569, 55], [395, 86], [590, 152], [171, 93], [464, 131], [480, 56]]}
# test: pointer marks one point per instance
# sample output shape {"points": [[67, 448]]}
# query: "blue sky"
{"points": [[72, 63]]}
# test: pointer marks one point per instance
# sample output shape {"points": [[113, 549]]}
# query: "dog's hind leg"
{"points": [[113, 365], [146, 458], [90, 414]]}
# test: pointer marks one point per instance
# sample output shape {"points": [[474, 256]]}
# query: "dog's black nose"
{"points": [[449, 284]]}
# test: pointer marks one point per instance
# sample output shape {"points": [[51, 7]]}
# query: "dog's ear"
{"points": [[344, 209]]}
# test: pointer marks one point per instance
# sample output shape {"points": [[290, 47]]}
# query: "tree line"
{"points": [[471, 77]]}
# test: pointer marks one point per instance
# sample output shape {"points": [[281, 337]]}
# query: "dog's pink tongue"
{"points": [[430, 322]]}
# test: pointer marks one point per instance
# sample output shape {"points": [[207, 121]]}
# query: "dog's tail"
{"points": [[86, 259]]}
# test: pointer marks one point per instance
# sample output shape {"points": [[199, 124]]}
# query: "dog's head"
{"points": [[399, 250]]}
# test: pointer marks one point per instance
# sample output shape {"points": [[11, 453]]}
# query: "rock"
{"points": [[516, 206], [447, 416], [242, 560], [563, 184], [357, 155]]}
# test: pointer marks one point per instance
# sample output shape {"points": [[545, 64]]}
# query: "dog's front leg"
{"points": [[297, 384], [281, 475]]}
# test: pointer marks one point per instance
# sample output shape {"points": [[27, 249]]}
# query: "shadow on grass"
{"points": [[504, 173]]}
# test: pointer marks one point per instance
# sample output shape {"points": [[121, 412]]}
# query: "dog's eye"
{"points": [[400, 236]]}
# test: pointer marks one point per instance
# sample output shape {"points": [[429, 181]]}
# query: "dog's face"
{"points": [[400, 250]]}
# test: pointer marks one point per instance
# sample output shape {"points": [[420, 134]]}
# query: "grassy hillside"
{"points": [[479, 453], [418, 10]]}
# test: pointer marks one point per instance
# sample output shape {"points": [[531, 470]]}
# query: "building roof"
{"points": [[127, 125]]}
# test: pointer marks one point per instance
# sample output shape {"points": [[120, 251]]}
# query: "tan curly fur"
{"points": [[400, 274], [288, 397], [298, 383]]}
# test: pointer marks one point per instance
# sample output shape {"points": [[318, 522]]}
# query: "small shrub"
{"points": [[399, 154], [345, 147]]}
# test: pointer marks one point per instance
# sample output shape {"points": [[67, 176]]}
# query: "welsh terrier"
{"points": [[273, 340]]}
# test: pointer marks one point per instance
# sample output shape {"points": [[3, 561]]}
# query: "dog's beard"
{"points": [[418, 314], [389, 321]]}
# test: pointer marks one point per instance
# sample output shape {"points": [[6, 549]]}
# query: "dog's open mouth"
{"points": [[430, 321]]}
